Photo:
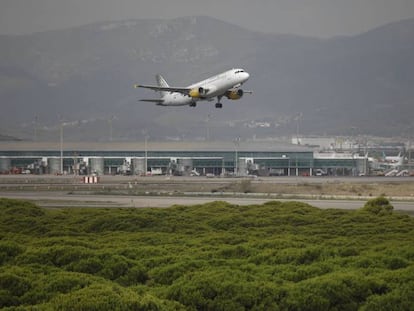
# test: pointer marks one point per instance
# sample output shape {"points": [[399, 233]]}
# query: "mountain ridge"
{"points": [[87, 72]]}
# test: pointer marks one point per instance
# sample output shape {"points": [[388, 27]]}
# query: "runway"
{"points": [[51, 191], [63, 199]]}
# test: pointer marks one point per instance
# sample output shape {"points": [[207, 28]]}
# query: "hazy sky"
{"points": [[322, 18]]}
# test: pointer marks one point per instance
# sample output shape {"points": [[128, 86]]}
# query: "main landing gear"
{"points": [[193, 104], [218, 104]]}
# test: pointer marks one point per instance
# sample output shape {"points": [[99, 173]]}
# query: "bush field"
{"points": [[216, 256]]}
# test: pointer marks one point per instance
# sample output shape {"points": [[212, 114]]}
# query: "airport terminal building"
{"points": [[176, 158]]}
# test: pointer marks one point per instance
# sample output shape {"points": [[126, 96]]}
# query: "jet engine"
{"points": [[234, 94], [198, 92]]}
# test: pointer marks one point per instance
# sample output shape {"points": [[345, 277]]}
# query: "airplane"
{"points": [[226, 84], [387, 161], [390, 159]]}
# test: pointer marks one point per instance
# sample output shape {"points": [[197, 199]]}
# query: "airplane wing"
{"points": [[181, 90]]}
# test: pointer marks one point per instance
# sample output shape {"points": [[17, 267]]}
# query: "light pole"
{"points": [[110, 120], [298, 118], [146, 136], [63, 124], [146, 154], [61, 146], [208, 127], [236, 156], [36, 119]]}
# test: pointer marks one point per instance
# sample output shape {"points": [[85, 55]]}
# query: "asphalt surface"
{"points": [[62, 199], [24, 187]]}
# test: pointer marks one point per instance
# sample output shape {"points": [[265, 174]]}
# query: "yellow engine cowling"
{"points": [[234, 94], [197, 92]]}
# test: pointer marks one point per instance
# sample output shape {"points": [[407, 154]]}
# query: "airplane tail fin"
{"points": [[161, 82]]}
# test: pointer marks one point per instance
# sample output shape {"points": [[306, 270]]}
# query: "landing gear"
{"points": [[219, 105], [193, 104]]}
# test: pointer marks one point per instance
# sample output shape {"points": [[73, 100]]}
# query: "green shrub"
{"points": [[135, 275], [166, 275], [401, 299], [9, 250], [224, 290], [12, 287], [378, 206], [19, 208], [21, 216], [66, 282], [334, 292], [66, 255], [90, 265], [114, 266], [239, 251], [394, 263], [215, 256], [101, 297]]}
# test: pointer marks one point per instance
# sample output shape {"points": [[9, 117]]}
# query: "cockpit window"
{"points": [[238, 71]]}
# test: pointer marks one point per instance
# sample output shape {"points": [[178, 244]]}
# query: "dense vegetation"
{"points": [[217, 256]]}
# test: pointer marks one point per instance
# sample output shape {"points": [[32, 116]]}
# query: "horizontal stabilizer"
{"points": [[158, 101]]}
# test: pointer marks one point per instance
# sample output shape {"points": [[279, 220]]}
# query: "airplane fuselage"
{"points": [[222, 82]]}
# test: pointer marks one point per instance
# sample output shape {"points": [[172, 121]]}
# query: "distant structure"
{"points": [[178, 158]]}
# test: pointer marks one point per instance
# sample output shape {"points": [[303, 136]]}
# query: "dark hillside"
{"points": [[86, 74]]}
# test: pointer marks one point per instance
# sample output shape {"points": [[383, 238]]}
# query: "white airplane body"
{"points": [[391, 159], [225, 84], [388, 161]]}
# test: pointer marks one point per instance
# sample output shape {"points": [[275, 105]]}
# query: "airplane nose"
{"points": [[246, 75]]}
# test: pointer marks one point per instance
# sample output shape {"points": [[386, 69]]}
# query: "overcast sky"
{"points": [[322, 18]]}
